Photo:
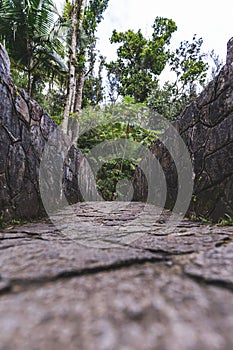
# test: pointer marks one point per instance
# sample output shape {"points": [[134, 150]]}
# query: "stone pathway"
{"points": [[118, 278]]}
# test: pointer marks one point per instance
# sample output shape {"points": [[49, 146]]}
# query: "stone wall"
{"points": [[24, 130], [206, 127], [209, 136]]}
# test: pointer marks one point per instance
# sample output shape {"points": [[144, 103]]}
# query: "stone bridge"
{"points": [[115, 279], [116, 276]]}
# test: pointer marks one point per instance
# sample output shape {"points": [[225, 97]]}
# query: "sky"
{"points": [[208, 19]]}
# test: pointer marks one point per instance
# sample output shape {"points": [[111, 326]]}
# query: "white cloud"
{"points": [[207, 19]]}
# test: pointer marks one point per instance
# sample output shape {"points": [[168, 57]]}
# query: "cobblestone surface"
{"points": [[164, 289]]}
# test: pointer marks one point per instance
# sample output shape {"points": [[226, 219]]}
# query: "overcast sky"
{"points": [[208, 19]]}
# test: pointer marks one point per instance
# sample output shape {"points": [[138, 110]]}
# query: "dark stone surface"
{"points": [[206, 127], [168, 289], [24, 130]]}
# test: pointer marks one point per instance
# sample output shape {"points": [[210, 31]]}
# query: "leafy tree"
{"points": [[111, 174], [93, 15], [112, 86], [126, 121], [93, 92], [29, 31], [216, 65], [140, 60], [189, 64], [74, 12], [84, 20]]}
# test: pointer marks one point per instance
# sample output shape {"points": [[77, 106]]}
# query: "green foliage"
{"points": [[29, 31], [116, 169], [93, 92], [54, 103], [140, 60], [126, 121], [67, 11], [216, 65], [196, 218], [82, 19], [188, 64], [93, 16], [228, 221], [93, 89], [9, 223], [20, 78], [111, 174], [57, 119], [114, 131]]}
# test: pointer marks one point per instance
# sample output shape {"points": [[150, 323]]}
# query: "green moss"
{"points": [[12, 222], [57, 119], [228, 221], [183, 230], [197, 218]]}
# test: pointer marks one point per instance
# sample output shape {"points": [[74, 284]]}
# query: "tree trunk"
{"points": [[71, 88], [79, 92], [30, 69], [30, 82], [76, 79]]}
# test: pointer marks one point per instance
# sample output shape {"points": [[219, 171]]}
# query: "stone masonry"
{"points": [[206, 127], [24, 130], [167, 290]]}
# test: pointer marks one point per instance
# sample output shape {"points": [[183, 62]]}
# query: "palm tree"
{"points": [[29, 31]]}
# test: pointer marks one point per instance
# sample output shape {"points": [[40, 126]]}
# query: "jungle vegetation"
{"points": [[55, 58]]}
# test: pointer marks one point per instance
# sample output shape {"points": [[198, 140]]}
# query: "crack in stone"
{"points": [[225, 242], [19, 285], [215, 282], [11, 136]]}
